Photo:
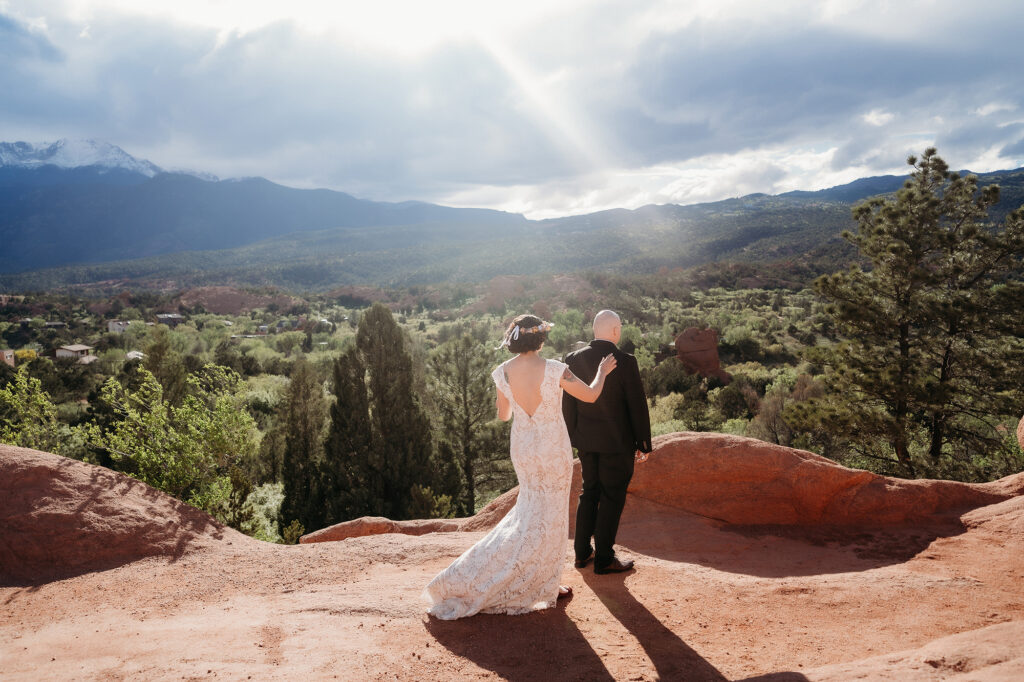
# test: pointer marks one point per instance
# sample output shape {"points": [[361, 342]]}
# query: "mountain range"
{"points": [[79, 212]]}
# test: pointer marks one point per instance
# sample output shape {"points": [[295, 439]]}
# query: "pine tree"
{"points": [[376, 474], [304, 412], [464, 398], [352, 472], [166, 365], [933, 328], [400, 427]]}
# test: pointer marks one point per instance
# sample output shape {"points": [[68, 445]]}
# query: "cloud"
{"points": [[789, 85], [977, 134], [583, 105], [708, 178], [305, 108], [1014, 150], [19, 42], [877, 117], [25, 53], [994, 108]]}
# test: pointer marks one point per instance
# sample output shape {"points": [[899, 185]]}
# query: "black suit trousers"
{"points": [[606, 477]]}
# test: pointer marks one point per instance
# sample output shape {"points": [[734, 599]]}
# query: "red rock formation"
{"points": [[60, 516], [746, 481], [375, 525], [1020, 432], [741, 481], [697, 349]]}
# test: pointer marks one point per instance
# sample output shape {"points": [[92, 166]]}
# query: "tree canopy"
{"points": [[380, 451], [933, 350]]}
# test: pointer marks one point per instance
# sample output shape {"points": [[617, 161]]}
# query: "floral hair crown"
{"points": [[513, 333]]}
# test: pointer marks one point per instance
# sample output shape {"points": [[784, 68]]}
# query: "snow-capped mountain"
{"points": [[67, 153], [82, 201]]}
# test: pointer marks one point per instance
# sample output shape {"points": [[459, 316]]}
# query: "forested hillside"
{"points": [[268, 235]]}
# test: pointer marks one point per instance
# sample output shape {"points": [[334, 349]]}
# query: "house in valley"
{"points": [[77, 350], [172, 320]]}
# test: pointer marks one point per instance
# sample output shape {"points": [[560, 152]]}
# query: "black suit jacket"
{"points": [[618, 421]]}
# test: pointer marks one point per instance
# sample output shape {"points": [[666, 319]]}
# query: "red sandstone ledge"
{"points": [[743, 481]]}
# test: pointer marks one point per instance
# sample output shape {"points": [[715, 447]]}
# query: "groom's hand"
{"points": [[641, 457]]}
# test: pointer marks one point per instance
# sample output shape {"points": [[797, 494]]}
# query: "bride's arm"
{"points": [[575, 387], [504, 407]]}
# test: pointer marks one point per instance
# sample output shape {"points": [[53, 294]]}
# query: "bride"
{"points": [[515, 568]]}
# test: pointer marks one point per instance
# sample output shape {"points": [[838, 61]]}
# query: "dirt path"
{"points": [[707, 602]]}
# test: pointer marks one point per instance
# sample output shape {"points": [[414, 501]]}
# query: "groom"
{"points": [[608, 434]]}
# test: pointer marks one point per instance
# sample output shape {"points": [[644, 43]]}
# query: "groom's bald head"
{"points": [[607, 326]]}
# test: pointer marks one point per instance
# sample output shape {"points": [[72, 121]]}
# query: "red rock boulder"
{"points": [[375, 525], [697, 349], [59, 516], [741, 481], [746, 481]]}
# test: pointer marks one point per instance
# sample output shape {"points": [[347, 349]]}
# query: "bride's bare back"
{"points": [[524, 374]]}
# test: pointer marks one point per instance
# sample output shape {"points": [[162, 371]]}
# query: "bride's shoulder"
{"points": [[555, 365]]}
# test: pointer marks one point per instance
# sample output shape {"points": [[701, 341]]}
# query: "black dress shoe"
{"points": [[580, 563], [616, 566]]}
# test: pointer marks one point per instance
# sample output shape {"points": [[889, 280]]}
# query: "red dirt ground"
{"points": [[938, 597]]}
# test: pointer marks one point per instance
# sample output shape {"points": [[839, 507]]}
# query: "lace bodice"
{"points": [[535, 439], [515, 568]]}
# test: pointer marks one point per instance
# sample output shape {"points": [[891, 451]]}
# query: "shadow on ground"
{"points": [[545, 645], [673, 658], [774, 551]]}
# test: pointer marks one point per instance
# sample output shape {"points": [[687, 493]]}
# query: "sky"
{"points": [[545, 108]]}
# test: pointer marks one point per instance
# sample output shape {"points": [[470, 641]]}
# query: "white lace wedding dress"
{"points": [[515, 568]]}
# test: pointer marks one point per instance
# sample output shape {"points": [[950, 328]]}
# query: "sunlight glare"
{"points": [[566, 128]]}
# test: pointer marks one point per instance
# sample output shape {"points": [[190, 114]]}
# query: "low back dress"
{"points": [[516, 567]]}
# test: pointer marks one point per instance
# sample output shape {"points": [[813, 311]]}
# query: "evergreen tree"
{"points": [[226, 355], [374, 470], [401, 429], [464, 398], [304, 411], [352, 472], [166, 365], [933, 352], [267, 464]]}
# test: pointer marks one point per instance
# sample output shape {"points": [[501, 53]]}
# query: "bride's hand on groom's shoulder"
{"points": [[608, 363]]}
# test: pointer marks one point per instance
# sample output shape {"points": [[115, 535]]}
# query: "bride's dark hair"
{"points": [[526, 333]]}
